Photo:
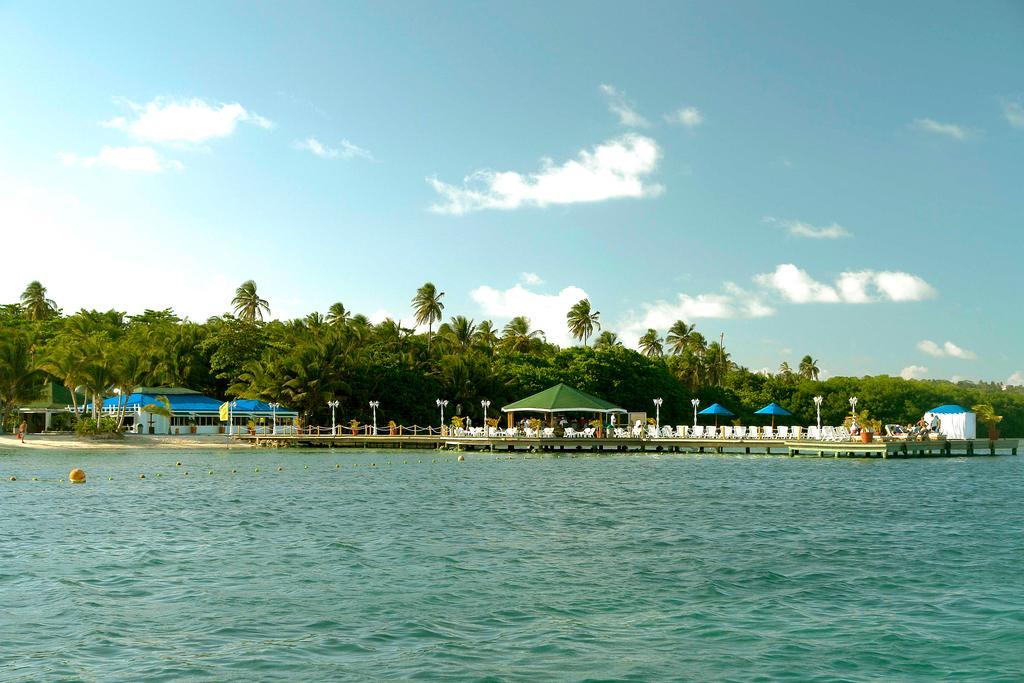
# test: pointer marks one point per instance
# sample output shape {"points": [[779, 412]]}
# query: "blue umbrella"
{"points": [[716, 409], [773, 409]]}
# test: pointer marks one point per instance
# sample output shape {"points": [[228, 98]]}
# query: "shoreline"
{"points": [[130, 442]]}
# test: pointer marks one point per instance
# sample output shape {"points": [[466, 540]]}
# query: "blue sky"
{"points": [[842, 180]]}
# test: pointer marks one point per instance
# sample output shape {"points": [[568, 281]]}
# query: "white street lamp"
{"points": [[231, 417], [853, 406], [695, 402], [334, 427], [441, 403], [273, 417], [657, 414], [486, 404], [817, 407], [374, 405]]}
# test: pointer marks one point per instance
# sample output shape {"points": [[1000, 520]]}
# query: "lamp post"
{"points": [[334, 427], [817, 407], [486, 404], [441, 403], [853, 407], [231, 418], [695, 402], [657, 414], [374, 405]]}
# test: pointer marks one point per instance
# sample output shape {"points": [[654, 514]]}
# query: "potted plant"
{"points": [[354, 426], [392, 428], [986, 414], [492, 424], [251, 425], [192, 428]]}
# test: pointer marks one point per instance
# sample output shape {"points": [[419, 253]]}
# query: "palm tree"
{"points": [[337, 314], [458, 334], [20, 380], [607, 340], [65, 364], [679, 336], [784, 369], [809, 368], [517, 335], [248, 304], [35, 304], [486, 337], [650, 344], [582, 320], [427, 307], [162, 407], [717, 363]]}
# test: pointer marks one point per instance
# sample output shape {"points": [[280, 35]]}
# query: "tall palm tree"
{"points": [[607, 340], [35, 304], [650, 344], [337, 314], [248, 304], [582, 320], [459, 334], [809, 368], [717, 363], [679, 336], [65, 364], [517, 335], [427, 307]]}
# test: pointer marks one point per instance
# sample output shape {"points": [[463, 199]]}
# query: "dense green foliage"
{"points": [[341, 356]]}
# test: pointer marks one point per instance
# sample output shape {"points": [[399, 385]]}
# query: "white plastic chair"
{"points": [[783, 432], [548, 432], [814, 433], [588, 433], [682, 431], [727, 432], [796, 433], [697, 432], [569, 433], [621, 433]]}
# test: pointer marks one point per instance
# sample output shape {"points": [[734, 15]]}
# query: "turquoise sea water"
{"points": [[599, 568]]}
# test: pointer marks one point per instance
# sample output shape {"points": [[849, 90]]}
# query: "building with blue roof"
{"points": [[194, 413]]}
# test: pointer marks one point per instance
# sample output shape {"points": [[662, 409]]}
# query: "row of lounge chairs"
{"points": [[639, 431]]}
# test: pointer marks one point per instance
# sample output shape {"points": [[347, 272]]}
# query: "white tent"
{"points": [[955, 422]]}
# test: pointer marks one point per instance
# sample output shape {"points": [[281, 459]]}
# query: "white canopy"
{"points": [[954, 422]]}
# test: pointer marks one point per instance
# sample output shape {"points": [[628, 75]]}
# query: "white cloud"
{"points": [[686, 116], [345, 150], [189, 121], [546, 311], [1014, 112], [612, 170], [622, 107], [1016, 379], [531, 279], [796, 286], [801, 229], [947, 349], [913, 372], [139, 159], [948, 129]]}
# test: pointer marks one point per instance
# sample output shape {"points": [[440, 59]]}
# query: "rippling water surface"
{"points": [[641, 568]]}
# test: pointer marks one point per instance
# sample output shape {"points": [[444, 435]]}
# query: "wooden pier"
{"points": [[802, 447]]}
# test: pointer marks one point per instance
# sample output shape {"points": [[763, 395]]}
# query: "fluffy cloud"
{"points": [[948, 129], [622, 107], [612, 170], [1014, 112], [801, 229], [546, 311], [345, 150], [947, 349], [138, 159], [686, 116], [188, 121], [913, 372], [1016, 379], [796, 286]]}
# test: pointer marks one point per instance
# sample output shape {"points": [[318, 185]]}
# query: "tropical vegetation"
{"points": [[341, 355]]}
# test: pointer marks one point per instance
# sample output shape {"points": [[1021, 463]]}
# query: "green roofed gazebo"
{"points": [[561, 398]]}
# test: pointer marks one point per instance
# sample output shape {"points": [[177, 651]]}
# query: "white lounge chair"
{"points": [[796, 433], [711, 432], [621, 433], [697, 432], [783, 432], [589, 432], [666, 432], [548, 433], [569, 433], [682, 431], [843, 434], [814, 433], [727, 432]]}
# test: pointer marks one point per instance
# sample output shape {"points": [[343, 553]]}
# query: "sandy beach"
{"points": [[129, 442]]}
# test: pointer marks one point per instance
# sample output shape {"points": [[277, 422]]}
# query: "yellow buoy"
{"points": [[76, 476], [462, 458]]}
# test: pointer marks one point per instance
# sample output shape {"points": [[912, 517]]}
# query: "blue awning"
{"points": [[949, 409]]}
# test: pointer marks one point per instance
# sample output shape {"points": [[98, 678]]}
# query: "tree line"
{"points": [[341, 355]]}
